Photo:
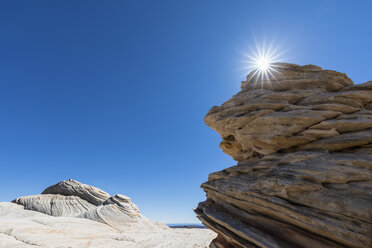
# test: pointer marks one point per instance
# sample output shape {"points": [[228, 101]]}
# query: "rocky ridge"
{"points": [[303, 141]]}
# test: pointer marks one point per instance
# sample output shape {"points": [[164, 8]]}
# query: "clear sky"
{"points": [[113, 93]]}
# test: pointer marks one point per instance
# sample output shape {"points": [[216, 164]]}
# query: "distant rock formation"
{"points": [[303, 142], [71, 198]]}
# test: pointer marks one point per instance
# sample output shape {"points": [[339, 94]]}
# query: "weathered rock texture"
{"points": [[20, 228], [303, 142], [70, 214], [73, 199], [86, 192]]}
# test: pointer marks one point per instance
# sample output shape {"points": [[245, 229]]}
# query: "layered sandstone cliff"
{"points": [[303, 142]]}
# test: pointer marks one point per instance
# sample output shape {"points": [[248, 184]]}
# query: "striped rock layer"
{"points": [[303, 142], [71, 198]]}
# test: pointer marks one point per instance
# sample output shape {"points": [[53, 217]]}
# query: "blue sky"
{"points": [[113, 93]]}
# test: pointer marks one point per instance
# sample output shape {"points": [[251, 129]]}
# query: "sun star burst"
{"points": [[262, 63]]}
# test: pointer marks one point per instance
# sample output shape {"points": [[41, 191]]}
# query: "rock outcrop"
{"points": [[71, 198], [303, 141], [21, 228]]}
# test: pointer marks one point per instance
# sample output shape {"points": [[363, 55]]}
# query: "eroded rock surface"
{"points": [[303, 142], [20, 228], [55, 205], [86, 192], [70, 214], [71, 198]]}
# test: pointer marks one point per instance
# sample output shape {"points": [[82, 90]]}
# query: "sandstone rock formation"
{"points": [[303, 141], [89, 193], [73, 199], [70, 214]]}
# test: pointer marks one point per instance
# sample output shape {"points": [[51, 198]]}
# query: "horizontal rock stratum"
{"points": [[303, 142], [75, 215]]}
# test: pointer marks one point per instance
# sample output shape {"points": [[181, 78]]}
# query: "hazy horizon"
{"points": [[113, 94]]}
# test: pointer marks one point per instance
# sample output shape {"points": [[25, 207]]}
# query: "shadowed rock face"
{"points": [[71, 198], [303, 142]]}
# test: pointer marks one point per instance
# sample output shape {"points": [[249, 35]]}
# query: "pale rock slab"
{"points": [[20, 228]]}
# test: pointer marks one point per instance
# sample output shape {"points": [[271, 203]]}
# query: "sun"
{"points": [[262, 61], [261, 64]]}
